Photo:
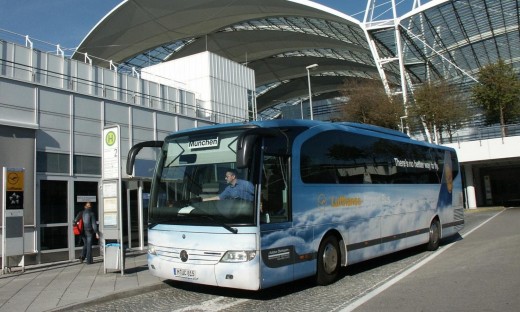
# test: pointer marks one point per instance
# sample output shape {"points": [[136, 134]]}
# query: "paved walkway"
{"points": [[62, 286]]}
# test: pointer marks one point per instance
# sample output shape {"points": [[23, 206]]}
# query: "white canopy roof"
{"points": [[279, 38]]}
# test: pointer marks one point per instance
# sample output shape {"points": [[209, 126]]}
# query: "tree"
{"points": [[368, 103], [440, 106], [498, 93]]}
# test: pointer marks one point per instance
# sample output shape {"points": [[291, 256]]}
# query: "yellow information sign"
{"points": [[15, 181]]}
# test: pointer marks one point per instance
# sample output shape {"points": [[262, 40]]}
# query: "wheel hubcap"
{"points": [[330, 258], [434, 232]]}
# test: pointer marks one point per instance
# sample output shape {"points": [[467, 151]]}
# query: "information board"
{"points": [[111, 193], [111, 159], [12, 217]]}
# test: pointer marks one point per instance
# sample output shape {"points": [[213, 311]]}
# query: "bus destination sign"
{"points": [[199, 143]]}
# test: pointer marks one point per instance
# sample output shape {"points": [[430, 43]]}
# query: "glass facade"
{"points": [[87, 165], [52, 162]]}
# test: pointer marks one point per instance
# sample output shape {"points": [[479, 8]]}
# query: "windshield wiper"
{"points": [[224, 225]]}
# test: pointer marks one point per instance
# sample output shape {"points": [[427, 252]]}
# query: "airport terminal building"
{"points": [[252, 61]]}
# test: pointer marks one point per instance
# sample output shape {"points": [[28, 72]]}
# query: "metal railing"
{"points": [[37, 75], [484, 133]]}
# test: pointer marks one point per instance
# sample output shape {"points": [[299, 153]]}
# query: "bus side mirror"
{"points": [[132, 153], [245, 151]]}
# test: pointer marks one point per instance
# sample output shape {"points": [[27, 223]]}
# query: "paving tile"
{"points": [[55, 286]]}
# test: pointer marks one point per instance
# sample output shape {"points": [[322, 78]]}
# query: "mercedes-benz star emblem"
{"points": [[184, 256]]}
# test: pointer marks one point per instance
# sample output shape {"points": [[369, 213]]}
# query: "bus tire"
{"points": [[435, 236], [328, 261]]}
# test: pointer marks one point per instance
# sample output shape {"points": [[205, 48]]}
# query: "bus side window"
{"points": [[322, 176]]}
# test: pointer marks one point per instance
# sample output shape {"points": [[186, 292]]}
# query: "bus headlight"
{"points": [[151, 250], [238, 256]]}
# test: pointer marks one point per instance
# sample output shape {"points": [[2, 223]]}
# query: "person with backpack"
{"points": [[89, 230]]}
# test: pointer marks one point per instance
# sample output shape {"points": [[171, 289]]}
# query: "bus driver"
{"points": [[236, 188]]}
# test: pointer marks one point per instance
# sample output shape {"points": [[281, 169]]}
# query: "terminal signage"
{"points": [[12, 185], [14, 189], [112, 216], [111, 157]]}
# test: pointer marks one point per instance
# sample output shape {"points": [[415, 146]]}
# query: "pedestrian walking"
{"points": [[89, 230]]}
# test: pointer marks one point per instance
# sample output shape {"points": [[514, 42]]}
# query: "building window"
{"points": [[52, 162], [251, 104], [87, 165]]}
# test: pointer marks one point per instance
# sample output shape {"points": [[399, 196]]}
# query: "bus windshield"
{"points": [[193, 183]]}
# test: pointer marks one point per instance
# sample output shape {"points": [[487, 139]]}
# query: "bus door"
{"points": [[275, 226]]}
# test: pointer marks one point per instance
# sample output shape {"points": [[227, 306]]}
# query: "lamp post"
{"points": [[309, 81], [301, 107]]}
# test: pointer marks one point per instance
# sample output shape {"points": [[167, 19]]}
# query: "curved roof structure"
{"points": [[452, 39], [277, 38]]}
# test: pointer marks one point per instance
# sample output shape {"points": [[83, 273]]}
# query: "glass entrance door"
{"points": [[53, 221], [60, 200], [85, 191]]}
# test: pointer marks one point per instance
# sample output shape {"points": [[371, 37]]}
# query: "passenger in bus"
{"points": [[236, 188]]}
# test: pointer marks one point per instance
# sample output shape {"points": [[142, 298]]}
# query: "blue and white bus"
{"points": [[326, 195]]}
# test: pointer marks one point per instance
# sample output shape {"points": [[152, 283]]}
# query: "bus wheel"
{"points": [[435, 235], [328, 261]]}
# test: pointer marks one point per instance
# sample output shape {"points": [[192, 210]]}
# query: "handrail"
{"points": [[59, 51], [28, 42]]}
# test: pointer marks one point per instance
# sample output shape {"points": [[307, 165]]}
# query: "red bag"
{"points": [[77, 227]]}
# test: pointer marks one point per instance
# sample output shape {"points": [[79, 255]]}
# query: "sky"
{"points": [[67, 22]]}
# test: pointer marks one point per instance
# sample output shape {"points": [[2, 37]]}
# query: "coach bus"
{"points": [[326, 195]]}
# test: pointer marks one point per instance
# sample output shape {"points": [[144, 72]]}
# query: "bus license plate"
{"points": [[184, 273]]}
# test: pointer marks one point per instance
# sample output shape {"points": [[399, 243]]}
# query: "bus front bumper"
{"points": [[241, 275]]}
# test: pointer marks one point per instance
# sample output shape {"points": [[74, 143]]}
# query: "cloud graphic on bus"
{"points": [[400, 205]]}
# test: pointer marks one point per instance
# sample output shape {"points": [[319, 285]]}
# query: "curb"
{"points": [[482, 209]]}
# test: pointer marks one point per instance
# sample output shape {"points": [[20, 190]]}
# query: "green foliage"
{"points": [[498, 93], [440, 106], [369, 104]]}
